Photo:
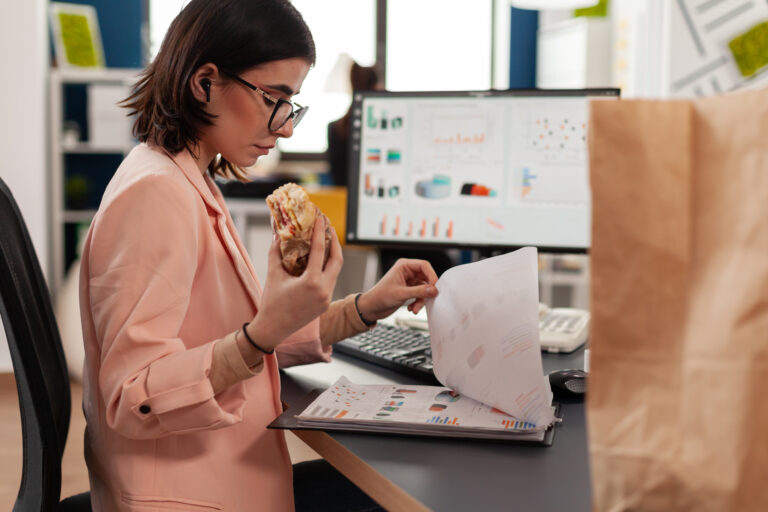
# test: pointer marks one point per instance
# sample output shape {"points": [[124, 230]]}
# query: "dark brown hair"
{"points": [[235, 35]]}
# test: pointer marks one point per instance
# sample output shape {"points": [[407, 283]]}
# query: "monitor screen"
{"points": [[486, 170]]}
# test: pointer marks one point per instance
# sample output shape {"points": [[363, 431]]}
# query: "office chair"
{"points": [[41, 374]]}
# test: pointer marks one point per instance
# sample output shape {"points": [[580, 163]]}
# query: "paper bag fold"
{"points": [[678, 401]]}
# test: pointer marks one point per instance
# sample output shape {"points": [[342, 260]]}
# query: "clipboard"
{"points": [[287, 420]]}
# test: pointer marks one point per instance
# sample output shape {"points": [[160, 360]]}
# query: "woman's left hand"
{"points": [[407, 279]]}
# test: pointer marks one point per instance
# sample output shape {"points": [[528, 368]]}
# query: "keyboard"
{"points": [[407, 350], [402, 349]]}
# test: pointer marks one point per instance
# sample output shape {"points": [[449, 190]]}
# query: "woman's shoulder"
{"points": [[146, 167], [144, 162], [143, 155], [148, 178]]}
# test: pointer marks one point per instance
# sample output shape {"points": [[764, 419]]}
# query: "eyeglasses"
{"points": [[284, 110]]}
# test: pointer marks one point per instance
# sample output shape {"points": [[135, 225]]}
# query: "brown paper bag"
{"points": [[677, 407]]}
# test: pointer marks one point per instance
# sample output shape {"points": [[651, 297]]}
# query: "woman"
{"points": [[180, 378]]}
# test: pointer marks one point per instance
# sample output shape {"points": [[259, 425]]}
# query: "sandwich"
{"points": [[293, 216]]}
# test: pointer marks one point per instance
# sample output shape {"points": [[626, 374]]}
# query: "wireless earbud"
{"points": [[205, 83]]}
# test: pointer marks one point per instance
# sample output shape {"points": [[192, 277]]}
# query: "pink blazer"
{"points": [[164, 278]]}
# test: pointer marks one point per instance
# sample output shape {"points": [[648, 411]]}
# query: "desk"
{"points": [[419, 473]]}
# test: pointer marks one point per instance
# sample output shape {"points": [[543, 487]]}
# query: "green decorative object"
{"points": [[596, 11], [76, 191], [76, 35], [750, 49], [78, 42]]}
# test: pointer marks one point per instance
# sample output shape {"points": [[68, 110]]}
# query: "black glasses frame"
{"points": [[297, 111]]}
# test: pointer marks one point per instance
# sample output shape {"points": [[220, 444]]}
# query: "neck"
{"points": [[203, 156]]}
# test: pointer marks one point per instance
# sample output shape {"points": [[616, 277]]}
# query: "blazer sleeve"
{"points": [[313, 343], [303, 347], [141, 266]]}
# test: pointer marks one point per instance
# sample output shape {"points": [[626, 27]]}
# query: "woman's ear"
{"points": [[202, 81]]}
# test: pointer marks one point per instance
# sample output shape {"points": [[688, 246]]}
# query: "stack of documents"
{"points": [[417, 410], [484, 329]]}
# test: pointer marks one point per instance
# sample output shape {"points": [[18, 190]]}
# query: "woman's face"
{"points": [[240, 132]]}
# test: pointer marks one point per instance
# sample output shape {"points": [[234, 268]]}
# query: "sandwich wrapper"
{"points": [[484, 327], [677, 408], [295, 251]]}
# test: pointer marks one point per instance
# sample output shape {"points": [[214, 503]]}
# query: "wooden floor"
{"points": [[74, 473]]}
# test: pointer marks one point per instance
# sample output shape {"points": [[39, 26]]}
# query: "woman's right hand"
{"points": [[289, 303]]}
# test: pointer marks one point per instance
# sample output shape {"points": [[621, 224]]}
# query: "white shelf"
{"points": [[247, 206], [70, 216], [95, 76], [87, 149], [60, 215]]}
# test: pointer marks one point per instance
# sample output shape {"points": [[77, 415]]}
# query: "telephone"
{"points": [[562, 329]]}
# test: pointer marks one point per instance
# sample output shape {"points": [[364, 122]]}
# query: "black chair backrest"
{"points": [[38, 361]]}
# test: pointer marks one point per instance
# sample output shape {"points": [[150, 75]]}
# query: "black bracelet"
{"points": [[368, 323], [245, 333]]}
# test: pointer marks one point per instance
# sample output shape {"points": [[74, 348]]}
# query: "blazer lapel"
{"points": [[210, 193]]}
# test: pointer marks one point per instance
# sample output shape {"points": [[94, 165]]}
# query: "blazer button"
{"points": [[145, 409]]}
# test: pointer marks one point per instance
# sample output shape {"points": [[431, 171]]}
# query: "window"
{"points": [[161, 14], [431, 45], [438, 45], [339, 27]]}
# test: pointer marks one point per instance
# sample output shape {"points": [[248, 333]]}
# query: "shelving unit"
{"points": [[61, 150]]}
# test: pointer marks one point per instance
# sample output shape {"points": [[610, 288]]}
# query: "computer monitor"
{"points": [[489, 170]]}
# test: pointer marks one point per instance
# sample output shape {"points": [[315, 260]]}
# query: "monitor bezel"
{"points": [[353, 175]]}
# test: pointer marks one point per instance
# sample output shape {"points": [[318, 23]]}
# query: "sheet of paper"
{"points": [[484, 326], [420, 407]]}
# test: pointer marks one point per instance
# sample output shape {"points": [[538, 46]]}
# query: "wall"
{"points": [[23, 146], [23, 106], [523, 26]]}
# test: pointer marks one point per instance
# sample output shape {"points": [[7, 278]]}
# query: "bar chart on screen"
{"points": [[473, 168], [456, 137], [549, 184]]}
